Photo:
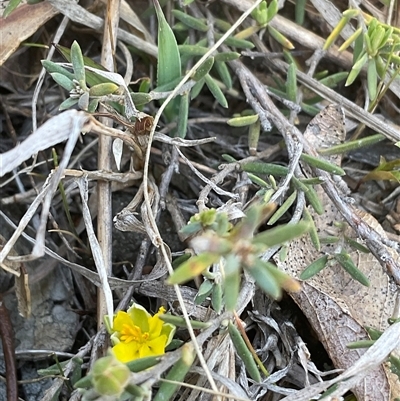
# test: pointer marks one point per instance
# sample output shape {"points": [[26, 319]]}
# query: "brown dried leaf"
{"points": [[337, 306], [21, 24]]}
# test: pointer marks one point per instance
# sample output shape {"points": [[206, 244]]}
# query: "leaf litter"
{"points": [[332, 300]]}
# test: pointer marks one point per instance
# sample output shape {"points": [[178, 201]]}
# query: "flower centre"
{"points": [[133, 333]]}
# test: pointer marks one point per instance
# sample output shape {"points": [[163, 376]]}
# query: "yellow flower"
{"points": [[137, 334]]}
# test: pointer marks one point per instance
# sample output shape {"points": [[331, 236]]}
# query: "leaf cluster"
{"points": [[234, 248]]}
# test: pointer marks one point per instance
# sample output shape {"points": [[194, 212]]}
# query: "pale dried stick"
{"points": [[146, 179], [104, 193]]}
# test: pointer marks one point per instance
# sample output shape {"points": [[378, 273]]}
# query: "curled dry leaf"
{"points": [[337, 306], [21, 281]]}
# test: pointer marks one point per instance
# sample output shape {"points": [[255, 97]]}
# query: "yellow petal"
{"points": [[126, 352], [168, 330], [140, 317], [121, 319], [153, 347], [155, 326]]}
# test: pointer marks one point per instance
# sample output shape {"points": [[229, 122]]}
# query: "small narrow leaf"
{"points": [[63, 81], [224, 73], [231, 284], [242, 121], [254, 136], [67, 103], [183, 115], [264, 279], [176, 374], [313, 229], [356, 69], [279, 235], [291, 83], [372, 79], [314, 268], [280, 38], [193, 50], [192, 268], [54, 67], [322, 164], [190, 21], [78, 64], [103, 89], [204, 69], [265, 168], [346, 262], [234, 42], [244, 353], [283, 209], [216, 91], [314, 201], [179, 321], [227, 56], [216, 297]]}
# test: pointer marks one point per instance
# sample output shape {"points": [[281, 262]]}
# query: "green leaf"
{"points": [[231, 281], [381, 66], [183, 115], [358, 47], [179, 321], [224, 73], [216, 91], [103, 89], [350, 39], [279, 235], [63, 81], [176, 374], [356, 69], [169, 60], [356, 245], [265, 168], [193, 50], [190, 21], [346, 262], [244, 352], [286, 43], [204, 69], [216, 297], [313, 229], [351, 145], [291, 83], [395, 365], [254, 136], [235, 42], [138, 365], [11, 6], [227, 56], [322, 164], [67, 103], [264, 279], [242, 121], [203, 292], [372, 79], [300, 9], [272, 10], [140, 98], [314, 201], [197, 89], [51, 67], [78, 64], [283, 208], [192, 268], [314, 268]]}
